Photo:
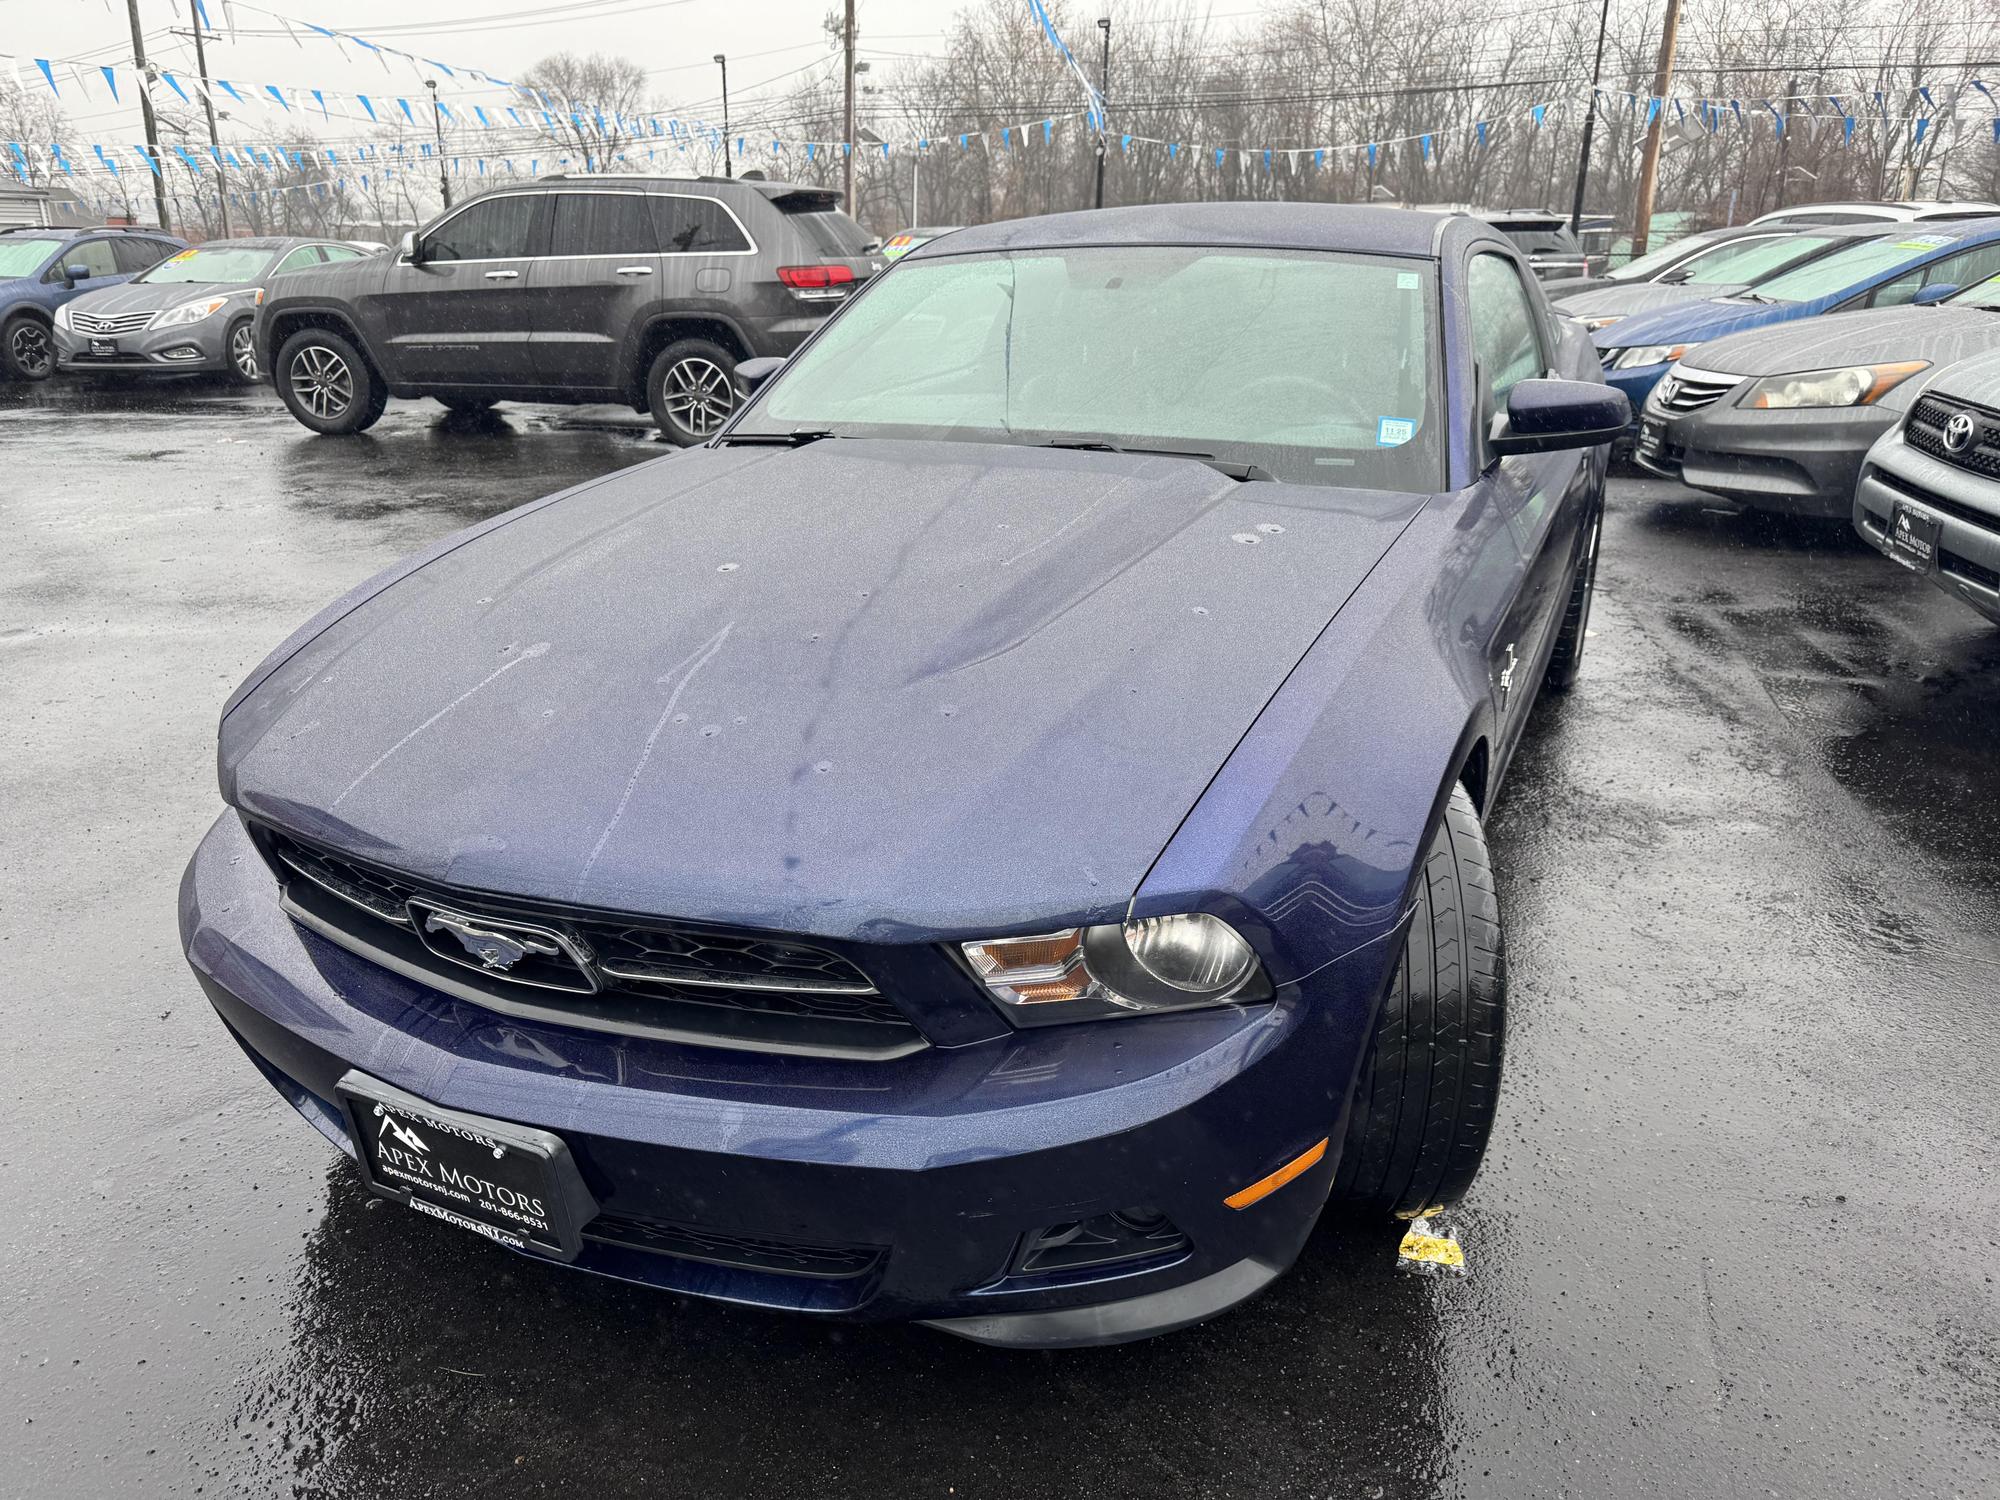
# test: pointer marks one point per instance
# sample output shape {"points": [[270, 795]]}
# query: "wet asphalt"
{"points": [[1738, 1232]]}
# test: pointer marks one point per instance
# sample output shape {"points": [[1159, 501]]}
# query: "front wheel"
{"points": [[691, 389], [326, 383], [1423, 1105], [27, 348], [240, 345]]}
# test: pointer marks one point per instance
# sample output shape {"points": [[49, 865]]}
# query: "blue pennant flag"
{"points": [[1538, 111], [111, 81], [1371, 156], [50, 74], [230, 89], [407, 113], [320, 100], [368, 105], [175, 84], [1267, 161], [1219, 152], [273, 90], [1480, 131], [1847, 130], [146, 157], [1173, 150], [1425, 143], [1048, 130], [1125, 144], [1923, 129]]}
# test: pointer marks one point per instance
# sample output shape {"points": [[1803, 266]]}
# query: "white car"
{"points": [[1903, 211]]}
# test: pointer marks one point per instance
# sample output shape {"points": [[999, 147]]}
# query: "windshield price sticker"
{"points": [[1393, 432]]}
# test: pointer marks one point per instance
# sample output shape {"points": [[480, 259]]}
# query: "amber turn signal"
{"points": [[1263, 1187]]}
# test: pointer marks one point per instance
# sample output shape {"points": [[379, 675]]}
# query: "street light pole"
{"points": [[1103, 104], [437, 124], [722, 62], [146, 112], [214, 140], [1589, 121]]}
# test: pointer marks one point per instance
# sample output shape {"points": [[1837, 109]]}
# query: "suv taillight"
{"points": [[816, 283]]}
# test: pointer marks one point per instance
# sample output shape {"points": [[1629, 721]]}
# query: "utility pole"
{"points": [[1589, 121], [847, 140], [1649, 161], [146, 111], [214, 141], [722, 62], [437, 124], [1103, 105], [1785, 142]]}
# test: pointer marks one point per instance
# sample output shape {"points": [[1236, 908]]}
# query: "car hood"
{"points": [[863, 688], [1698, 322], [1629, 298], [1977, 380], [134, 297], [1942, 335]]}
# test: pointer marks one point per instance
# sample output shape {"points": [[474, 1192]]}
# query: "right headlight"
{"points": [[1646, 354], [1856, 385], [1156, 964], [62, 318]]}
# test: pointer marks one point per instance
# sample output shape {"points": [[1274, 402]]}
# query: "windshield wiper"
{"points": [[797, 438], [1241, 472]]}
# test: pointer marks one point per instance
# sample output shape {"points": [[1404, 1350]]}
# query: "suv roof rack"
{"points": [[81, 229]]}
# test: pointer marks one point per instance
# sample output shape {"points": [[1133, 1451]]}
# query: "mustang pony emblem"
{"points": [[494, 950]]}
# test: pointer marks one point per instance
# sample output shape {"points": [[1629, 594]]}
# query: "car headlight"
{"points": [[1156, 964], [190, 312], [1854, 385], [1649, 354], [62, 318], [1604, 320]]}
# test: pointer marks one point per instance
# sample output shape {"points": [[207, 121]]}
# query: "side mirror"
{"points": [[1543, 416], [752, 373], [1676, 277], [1937, 291], [73, 274], [410, 248]]}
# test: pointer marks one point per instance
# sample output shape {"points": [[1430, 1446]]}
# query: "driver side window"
{"points": [[493, 229], [1505, 340]]}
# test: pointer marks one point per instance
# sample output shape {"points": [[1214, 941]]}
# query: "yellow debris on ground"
{"points": [[1429, 1251]]}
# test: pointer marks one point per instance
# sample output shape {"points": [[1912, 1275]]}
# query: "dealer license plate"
{"points": [[511, 1184], [1913, 538], [104, 348]]}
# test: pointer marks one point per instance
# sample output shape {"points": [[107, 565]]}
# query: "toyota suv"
{"points": [[646, 291], [43, 268]]}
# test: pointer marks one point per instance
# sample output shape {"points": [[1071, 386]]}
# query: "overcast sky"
{"points": [[769, 43]]}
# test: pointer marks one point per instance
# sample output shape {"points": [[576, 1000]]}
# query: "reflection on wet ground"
{"points": [[1734, 1238]]}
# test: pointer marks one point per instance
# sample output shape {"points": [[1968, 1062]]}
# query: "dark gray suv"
{"points": [[640, 290]]}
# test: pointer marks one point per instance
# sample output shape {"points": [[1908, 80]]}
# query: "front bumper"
{"points": [[1965, 505], [935, 1164], [1637, 384], [1802, 462], [192, 348]]}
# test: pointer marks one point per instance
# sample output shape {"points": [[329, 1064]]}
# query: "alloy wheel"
{"points": [[243, 352], [34, 355], [322, 381], [697, 395]]}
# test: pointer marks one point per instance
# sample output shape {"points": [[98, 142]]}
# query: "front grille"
{"points": [[1984, 520], [84, 322], [1925, 433], [746, 1252], [614, 972], [1683, 391]]}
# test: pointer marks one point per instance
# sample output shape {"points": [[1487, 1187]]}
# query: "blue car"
{"points": [[41, 269], [1890, 267], [991, 838]]}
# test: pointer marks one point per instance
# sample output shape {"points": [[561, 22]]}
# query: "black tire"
{"points": [[324, 381], [465, 406], [691, 390], [1566, 660], [239, 347], [1423, 1105], [27, 348]]}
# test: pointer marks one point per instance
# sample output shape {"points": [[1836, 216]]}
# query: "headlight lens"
{"points": [[1650, 354], [1603, 320], [1855, 385], [190, 312], [62, 317], [1160, 963]]}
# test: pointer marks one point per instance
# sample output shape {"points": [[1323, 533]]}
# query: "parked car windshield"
{"points": [[1984, 294], [1317, 368], [211, 263], [1843, 268], [1749, 261], [1640, 267], [23, 257]]}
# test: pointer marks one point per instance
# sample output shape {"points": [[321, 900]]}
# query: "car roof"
{"points": [[1289, 226]]}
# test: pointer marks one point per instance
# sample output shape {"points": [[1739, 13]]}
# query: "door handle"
{"points": [[503, 275], [634, 271]]}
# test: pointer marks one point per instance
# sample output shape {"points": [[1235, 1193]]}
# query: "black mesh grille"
{"points": [[757, 976], [787, 1257], [1925, 433]]}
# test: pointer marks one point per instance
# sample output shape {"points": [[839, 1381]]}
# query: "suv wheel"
{"points": [[241, 347], [27, 348], [326, 383], [691, 389]]}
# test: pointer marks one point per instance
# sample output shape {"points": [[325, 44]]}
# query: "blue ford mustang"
{"points": [[994, 837]]}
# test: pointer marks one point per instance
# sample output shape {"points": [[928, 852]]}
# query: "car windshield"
{"points": [[1316, 368], [1844, 268], [1654, 261], [226, 263], [23, 257], [1752, 260]]}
